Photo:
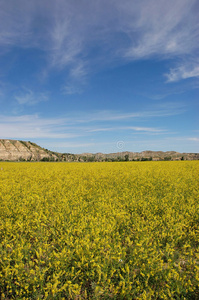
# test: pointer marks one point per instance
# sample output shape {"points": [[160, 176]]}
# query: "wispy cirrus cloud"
{"points": [[194, 139], [28, 97], [86, 35], [186, 138], [163, 28], [32, 126], [161, 110], [183, 72], [82, 124], [125, 128], [70, 89]]}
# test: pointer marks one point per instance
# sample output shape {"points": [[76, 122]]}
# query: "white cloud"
{"points": [[79, 71], [163, 28], [146, 129], [32, 126], [185, 138], [183, 72], [70, 89], [86, 35], [194, 139], [125, 128], [161, 110], [28, 97], [76, 145], [80, 124], [168, 109]]}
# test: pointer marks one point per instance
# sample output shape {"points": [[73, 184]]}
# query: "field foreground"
{"points": [[99, 230]]}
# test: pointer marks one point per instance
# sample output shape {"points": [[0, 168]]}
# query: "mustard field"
{"points": [[126, 230]]}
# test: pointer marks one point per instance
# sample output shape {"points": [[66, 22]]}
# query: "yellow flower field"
{"points": [[99, 230]]}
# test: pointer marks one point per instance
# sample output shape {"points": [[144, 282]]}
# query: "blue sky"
{"points": [[100, 76]]}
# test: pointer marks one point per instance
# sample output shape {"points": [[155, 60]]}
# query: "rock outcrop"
{"points": [[14, 150]]}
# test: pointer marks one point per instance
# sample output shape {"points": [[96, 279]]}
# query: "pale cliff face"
{"points": [[16, 150]]}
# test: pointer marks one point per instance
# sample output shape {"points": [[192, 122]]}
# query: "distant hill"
{"points": [[15, 150]]}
